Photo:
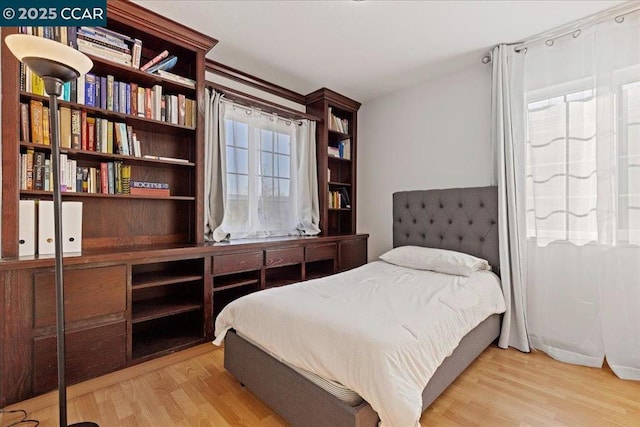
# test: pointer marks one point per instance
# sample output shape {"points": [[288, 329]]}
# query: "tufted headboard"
{"points": [[459, 219]]}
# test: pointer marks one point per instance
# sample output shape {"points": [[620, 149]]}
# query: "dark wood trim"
{"points": [[253, 81], [153, 23], [334, 98], [257, 102], [10, 147]]}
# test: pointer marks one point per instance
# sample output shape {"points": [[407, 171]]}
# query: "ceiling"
{"points": [[364, 49]]}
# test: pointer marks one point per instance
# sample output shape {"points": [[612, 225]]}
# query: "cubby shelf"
{"points": [[161, 307]]}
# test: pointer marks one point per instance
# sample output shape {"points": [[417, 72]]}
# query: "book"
{"points": [[110, 81], [91, 133], [90, 90], [84, 136], [159, 57], [134, 99], [154, 192], [182, 109], [76, 118], [176, 78], [29, 169], [150, 184], [36, 121], [103, 92], [166, 64], [156, 99], [46, 125], [24, 122], [65, 127], [136, 53], [170, 159]]}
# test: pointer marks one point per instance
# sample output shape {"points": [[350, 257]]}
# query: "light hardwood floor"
{"points": [[501, 388]]}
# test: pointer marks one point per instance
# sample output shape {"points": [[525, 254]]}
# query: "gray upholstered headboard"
{"points": [[459, 219]]}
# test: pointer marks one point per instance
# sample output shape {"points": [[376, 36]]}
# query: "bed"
{"points": [[464, 220]]}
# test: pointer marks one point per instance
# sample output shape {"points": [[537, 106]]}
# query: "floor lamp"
{"points": [[56, 63]]}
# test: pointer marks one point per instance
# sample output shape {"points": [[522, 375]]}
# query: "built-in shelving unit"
{"points": [[336, 154]]}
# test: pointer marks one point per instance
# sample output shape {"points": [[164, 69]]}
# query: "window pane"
{"points": [[266, 163], [283, 187], [243, 185], [284, 142], [266, 140], [283, 165], [241, 134], [231, 160], [267, 187]]}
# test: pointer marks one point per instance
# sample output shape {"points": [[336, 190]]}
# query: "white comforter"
{"points": [[381, 330]]}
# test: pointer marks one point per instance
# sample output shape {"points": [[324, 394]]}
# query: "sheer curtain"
{"points": [[582, 196], [507, 131], [260, 173]]}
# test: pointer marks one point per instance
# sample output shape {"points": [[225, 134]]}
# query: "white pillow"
{"points": [[440, 260]]}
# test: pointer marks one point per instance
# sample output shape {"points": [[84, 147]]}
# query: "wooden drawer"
{"points": [[321, 252], [90, 292], [286, 256], [90, 353], [235, 263], [353, 253]]}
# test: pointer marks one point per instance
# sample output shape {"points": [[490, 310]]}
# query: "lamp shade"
{"points": [[48, 58]]}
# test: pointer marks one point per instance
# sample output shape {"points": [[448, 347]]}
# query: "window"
{"points": [[260, 164], [568, 158]]}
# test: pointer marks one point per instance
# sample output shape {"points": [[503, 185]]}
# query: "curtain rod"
{"points": [[574, 28], [264, 113]]}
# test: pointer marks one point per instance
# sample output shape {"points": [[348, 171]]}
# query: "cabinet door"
{"points": [[89, 293], [90, 352], [353, 253]]}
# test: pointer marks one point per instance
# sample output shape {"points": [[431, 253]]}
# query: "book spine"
{"points": [[29, 177], [24, 122], [110, 82], [76, 118], [84, 139], [91, 133], [104, 178], [46, 125], [90, 90], [155, 60], [134, 98], [116, 96], [103, 92], [36, 121]]}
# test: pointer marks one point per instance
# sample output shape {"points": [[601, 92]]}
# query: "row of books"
{"points": [[78, 130], [338, 124], [343, 150], [97, 41], [110, 178], [339, 199], [112, 46], [36, 173], [127, 98]]}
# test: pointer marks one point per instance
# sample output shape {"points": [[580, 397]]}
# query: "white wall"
{"points": [[434, 135]]}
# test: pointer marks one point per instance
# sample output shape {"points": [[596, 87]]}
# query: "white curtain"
{"points": [[577, 191], [260, 173], [507, 124], [214, 167]]}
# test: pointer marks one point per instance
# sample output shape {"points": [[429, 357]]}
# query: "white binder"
{"points": [[27, 228], [46, 233], [71, 227]]}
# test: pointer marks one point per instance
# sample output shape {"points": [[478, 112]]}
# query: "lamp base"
{"points": [[84, 424]]}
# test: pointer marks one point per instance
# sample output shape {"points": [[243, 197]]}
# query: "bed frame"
{"points": [[461, 219]]}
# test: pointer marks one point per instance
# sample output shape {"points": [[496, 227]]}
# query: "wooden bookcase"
{"points": [[117, 220], [336, 174]]}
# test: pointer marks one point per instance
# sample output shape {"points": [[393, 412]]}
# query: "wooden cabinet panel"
{"points": [[90, 353], [285, 256], [89, 292], [321, 252], [353, 253], [235, 263]]}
